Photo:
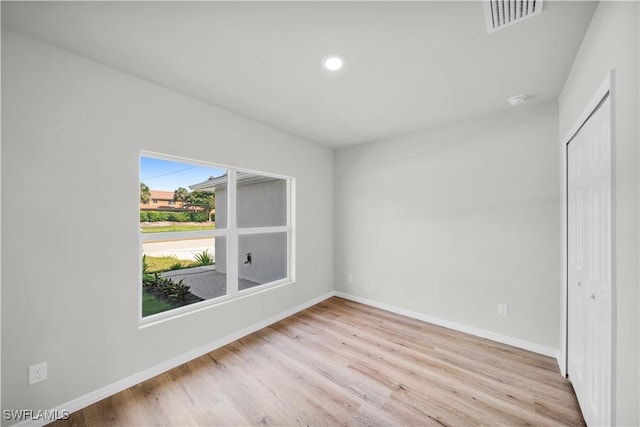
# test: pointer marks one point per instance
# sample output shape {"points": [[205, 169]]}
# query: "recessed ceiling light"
{"points": [[517, 100], [332, 62]]}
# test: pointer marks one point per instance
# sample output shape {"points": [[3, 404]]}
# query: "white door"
{"points": [[589, 265]]}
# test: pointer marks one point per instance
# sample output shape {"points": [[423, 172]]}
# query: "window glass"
{"points": [[186, 232], [262, 258], [261, 201], [177, 233]]}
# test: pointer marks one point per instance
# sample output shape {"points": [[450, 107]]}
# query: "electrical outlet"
{"points": [[503, 310], [37, 373], [350, 278]]}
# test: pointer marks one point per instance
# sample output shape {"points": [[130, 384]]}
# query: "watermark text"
{"points": [[34, 415]]}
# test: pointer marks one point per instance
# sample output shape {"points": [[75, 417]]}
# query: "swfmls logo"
{"points": [[34, 415]]}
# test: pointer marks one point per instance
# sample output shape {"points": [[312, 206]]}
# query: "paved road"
{"points": [[175, 235], [181, 249]]}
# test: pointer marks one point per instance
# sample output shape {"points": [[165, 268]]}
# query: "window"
{"points": [[229, 233]]}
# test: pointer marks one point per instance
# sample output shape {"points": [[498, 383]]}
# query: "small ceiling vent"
{"points": [[502, 13]]}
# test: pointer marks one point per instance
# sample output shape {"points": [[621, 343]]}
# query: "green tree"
{"points": [[145, 193], [180, 195], [201, 199]]}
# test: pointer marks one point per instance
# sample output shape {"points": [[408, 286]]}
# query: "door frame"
{"points": [[607, 86]]}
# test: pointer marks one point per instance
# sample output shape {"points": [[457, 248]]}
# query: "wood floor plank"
{"points": [[344, 363], [425, 374], [463, 372]]}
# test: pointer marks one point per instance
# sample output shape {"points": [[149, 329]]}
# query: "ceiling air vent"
{"points": [[502, 13]]}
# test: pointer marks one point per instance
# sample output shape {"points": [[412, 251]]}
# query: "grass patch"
{"points": [[174, 228], [152, 305], [162, 293], [166, 263]]}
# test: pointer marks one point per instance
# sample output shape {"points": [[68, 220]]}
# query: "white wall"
{"points": [[269, 257], [262, 204], [71, 135], [452, 221], [611, 42]]}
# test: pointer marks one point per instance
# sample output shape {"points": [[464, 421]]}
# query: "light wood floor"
{"points": [[343, 363]]}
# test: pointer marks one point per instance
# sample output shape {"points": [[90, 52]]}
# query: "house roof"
{"points": [[161, 195], [220, 182]]}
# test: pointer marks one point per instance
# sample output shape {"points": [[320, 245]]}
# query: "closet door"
{"points": [[589, 227]]}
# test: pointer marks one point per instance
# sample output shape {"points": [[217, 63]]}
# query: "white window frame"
{"points": [[231, 233]]}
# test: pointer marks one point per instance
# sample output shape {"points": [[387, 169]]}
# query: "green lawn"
{"points": [[177, 227], [152, 305], [166, 263]]}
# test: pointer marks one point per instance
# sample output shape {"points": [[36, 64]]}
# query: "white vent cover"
{"points": [[502, 13]]}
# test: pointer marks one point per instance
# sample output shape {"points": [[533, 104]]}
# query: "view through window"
{"points": [[209, 232]]}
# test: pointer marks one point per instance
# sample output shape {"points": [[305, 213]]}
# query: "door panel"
{"points": [[589, 265]]}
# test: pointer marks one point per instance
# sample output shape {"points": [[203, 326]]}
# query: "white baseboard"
{"points": [[111, 389], [482, 333]]}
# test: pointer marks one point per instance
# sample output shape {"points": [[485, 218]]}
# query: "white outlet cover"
{"points": [[37, 373]]}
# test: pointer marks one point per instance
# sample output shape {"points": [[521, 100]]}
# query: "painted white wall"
{"points": [[269, 257], [71, 135], [452, 221], [611, 42], [262, 204]]}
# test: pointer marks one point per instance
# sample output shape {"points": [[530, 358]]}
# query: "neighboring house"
{"points": [[261, 202], [161, 200]]}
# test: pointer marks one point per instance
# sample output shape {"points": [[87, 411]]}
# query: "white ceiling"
{"points": [[409, 65]]}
